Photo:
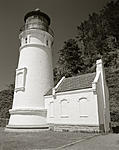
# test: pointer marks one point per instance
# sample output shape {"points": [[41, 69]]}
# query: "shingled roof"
{"points": [[75, 83]]}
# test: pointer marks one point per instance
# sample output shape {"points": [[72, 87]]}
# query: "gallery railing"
{"points": [[37, 25]]}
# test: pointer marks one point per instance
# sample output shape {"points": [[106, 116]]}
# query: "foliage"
{"points": [[67, 65], [6, 99], [113, 85], [97, 37]]}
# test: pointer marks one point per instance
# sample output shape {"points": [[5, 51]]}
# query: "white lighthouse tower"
{"points": [[34, 75]]}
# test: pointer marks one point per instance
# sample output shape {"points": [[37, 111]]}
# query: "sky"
{"points": [[65, 16]]}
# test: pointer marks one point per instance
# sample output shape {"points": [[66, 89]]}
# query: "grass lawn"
{"points": [[37, 140]]}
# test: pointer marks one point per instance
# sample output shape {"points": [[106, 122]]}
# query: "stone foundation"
{"points": [[81, 128]]}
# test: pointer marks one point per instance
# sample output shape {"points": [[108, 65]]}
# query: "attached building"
{"points": [[79, 103]]}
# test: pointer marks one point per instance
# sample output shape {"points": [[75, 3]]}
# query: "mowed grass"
{"points": [[37, 140]]}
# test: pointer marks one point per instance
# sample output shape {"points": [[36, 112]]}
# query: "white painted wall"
{"points": [[36, 57], [26, 121], [103, 97], [81, 107], [73, 103]]}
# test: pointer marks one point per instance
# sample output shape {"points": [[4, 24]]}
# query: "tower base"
{"points": [[27, 119], [10, 128]]}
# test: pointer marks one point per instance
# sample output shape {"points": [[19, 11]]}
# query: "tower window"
{"points": [[47, 42], [26, 40], [20, 79], [52, 44]]}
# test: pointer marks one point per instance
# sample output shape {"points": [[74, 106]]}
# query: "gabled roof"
{"points": [[75, 83]]}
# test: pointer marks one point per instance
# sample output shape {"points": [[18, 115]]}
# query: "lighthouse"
{"points": [[34, 74]]}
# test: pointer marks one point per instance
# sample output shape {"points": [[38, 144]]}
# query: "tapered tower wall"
{"points": [[34, 74]]}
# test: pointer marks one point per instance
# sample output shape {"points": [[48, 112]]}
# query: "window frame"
{"points": [[51, 115], [62, 114], [20, 87], [80, 113]]}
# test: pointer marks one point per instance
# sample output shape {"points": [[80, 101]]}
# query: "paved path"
{"points": [[102, 142]]}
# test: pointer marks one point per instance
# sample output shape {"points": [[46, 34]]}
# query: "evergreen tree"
{"points": [[6, 99], [70, 61], [97, 37]]}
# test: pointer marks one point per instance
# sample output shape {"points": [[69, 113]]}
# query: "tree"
{"points": [[97, 41], [6, 99], [70, 61], [97, 37]]}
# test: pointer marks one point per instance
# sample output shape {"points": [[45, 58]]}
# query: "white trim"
{"points": [[28, 38], [28, 108], [83, 115], [64, 99], [100, 69], [75, 91], [53, 91], [51, 111], [20, 89], [82, 98], [34, 45], [18, 69], [22, 71], [94, 83], [28, 111], [99, 61], [96, 77], [62, 115], [59, 82], [48, 96]]}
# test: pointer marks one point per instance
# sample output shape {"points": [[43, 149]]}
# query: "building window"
{"points": [[64, 108], [83, 107], [20, 79], [51, 109]]}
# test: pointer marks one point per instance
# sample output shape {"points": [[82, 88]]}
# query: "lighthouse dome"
{"points": [[37, 14]]}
